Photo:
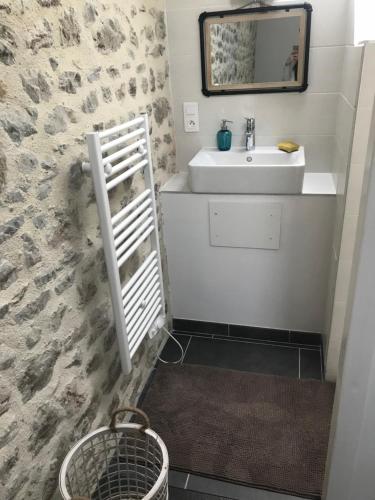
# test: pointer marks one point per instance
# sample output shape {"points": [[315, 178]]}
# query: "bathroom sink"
{"points": [[265, 170]]}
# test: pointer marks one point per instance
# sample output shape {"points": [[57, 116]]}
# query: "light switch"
{"points": [[191, 116]]}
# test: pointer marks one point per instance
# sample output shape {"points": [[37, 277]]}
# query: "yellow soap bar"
{"points": [[288, 146]]}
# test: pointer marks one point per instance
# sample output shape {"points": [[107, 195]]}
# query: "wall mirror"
{"points": [[263, 49]]}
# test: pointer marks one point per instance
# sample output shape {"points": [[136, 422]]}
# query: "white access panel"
{"points": [[245, 224]]}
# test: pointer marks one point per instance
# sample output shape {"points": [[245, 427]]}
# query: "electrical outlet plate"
{"points": [[156, 327], [191, 117]]}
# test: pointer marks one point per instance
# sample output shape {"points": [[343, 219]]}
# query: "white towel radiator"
{"points": [[138, 305]]}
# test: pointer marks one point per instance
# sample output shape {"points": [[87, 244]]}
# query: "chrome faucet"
{"points": [[250, 134]]}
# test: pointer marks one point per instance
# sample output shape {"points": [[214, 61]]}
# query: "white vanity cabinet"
{"points": [[257, 260]]}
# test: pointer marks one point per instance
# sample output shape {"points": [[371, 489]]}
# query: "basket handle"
{"points": [[146, 425]]}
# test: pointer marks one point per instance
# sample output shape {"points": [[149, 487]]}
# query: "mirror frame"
{"points": [[254, 88]]}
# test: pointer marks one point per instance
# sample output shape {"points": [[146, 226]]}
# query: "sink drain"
{"points": [[249, 159]]}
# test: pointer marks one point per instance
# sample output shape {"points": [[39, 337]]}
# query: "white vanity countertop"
{"points": [[313, 184], [318, 183]]}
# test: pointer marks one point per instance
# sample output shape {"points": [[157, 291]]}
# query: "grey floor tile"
{"points": [[252, 332], [244, 356], [311, 364], [306, 338], [177, 479], [177, 494], [187, 325], [171, 351], [233, 491]]}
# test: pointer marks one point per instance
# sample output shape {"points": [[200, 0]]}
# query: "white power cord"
{"points": [[181, 358]]}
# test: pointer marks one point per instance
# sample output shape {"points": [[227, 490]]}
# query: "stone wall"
{"points": [[67, 67], [233, 52]]}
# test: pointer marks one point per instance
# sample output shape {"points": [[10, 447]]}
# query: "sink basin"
{"points": [[265, 170]]}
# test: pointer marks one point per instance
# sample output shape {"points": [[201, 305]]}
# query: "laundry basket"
{"points": [[120, 462]]}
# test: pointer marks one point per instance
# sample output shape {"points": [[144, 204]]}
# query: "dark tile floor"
{"points": [[202, 488], [178, 494], [290, 360], [297, 361]]}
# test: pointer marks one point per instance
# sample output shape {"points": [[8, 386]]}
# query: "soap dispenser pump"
{"points": [[224, 136]]}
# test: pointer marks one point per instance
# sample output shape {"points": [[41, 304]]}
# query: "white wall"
{"points": [[308, 118], [364, 14], [352, 450], [348, 207]]}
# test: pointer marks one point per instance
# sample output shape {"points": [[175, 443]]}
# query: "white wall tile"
{"points": [[204, 4], [355, 185], [343, 280], [183, 33], [296, 113], [348, 236], [351, 73], [277, 114], [344, 125], [325, 68], [329, 23], [367, 87], [335, 341], [331, 292], [361, 134], [337, 231], [356, 182], [350, 15]]}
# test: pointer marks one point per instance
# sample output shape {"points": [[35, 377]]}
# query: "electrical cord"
{"points": [[183, 352]]}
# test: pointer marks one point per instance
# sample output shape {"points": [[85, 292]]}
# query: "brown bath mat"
{"points": [[263, 431]]}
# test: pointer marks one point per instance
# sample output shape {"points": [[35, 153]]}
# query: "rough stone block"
{"points": [[8, 229], [70, 31], [7, 273], [5, 394], [44, 427], [37, 372], [3, 171], [36, 86], [31, 252], [49, 3], [110, 37], [40, 37], [57, 317], [94, 74], [66, 282], [8, 45], [70, 81], [33, 308], [90, 103], [8, 432], [18, 124], [89, 13], [59, 119], [161, 109], [7, 357]]}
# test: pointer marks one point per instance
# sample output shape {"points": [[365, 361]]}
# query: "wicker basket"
{"points": [[119, 462]]}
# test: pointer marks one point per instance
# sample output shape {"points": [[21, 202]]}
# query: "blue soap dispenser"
{"points": [[224, 136]]}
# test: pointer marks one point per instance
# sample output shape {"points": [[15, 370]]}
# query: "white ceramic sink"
{"points": [[265, 170]]}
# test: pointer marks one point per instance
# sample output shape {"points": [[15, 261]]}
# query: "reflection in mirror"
{"points": [[233, 52], [255, 50]]}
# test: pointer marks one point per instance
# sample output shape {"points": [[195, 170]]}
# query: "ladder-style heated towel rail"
{"points": [[138, 305]]}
